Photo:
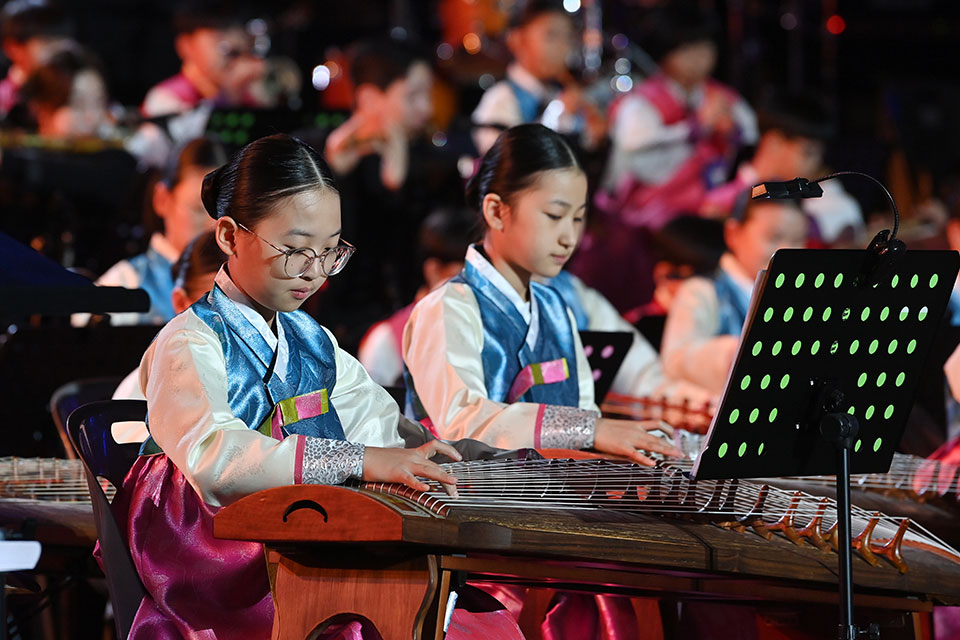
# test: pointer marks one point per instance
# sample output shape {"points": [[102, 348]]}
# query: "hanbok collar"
{"points": [[528, 310], [736, 273], [527, 81], [160, 244], [691, 97], [277, 342]]}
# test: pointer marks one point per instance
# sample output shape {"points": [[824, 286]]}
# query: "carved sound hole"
{"points": [[305, 504]]}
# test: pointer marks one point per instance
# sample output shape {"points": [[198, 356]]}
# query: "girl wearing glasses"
{"points": [[215, 378]]}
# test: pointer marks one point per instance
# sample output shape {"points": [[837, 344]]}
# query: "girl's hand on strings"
{"points": [[406, 466], [627, 437]]}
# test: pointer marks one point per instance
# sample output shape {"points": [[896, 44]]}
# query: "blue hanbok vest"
{"points": [[508, 361], [733, 304], [155, 278], [562, 283], [254, 391]]}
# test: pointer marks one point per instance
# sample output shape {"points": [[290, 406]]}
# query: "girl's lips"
{"points": [[559, 259], [301, 294]]}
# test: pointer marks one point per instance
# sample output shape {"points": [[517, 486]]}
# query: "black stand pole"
{"points": [[841, 429]]}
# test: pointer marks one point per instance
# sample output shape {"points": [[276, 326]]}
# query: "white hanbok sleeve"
{"points": [[367, 412], [691, 350], [498, 107], [184, 377], [639, 126], [379, 354], [442, 346]]}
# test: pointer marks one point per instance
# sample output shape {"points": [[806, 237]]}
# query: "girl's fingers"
{"points": [[659, 445], [640, 459], [427, 469], [658, 425], [439, 446]]}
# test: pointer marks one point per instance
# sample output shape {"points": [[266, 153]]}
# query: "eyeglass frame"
{"points": [[342, 244]]}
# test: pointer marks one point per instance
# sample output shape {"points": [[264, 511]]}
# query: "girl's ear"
{"points": [[162, 199], [180, 299], [226, 234], [494, 210]]}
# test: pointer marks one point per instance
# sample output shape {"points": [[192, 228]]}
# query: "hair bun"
{"points": [[210, 192]]}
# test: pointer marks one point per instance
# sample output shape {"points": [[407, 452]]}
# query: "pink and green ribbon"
{"points": [[536, 374]]}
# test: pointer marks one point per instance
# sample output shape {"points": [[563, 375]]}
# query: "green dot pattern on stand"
{"points": [[768, 314], [777, 346], [815, 347], [784, 381], [852, 410], [765, 381], [796, 348], [754, 415], [911, 346], [773, 415], [757, 348], [745, 382], [934, 279], [788, 314], [904, 313], [734, 416], [854, 346], [874, 345], [834, 347], [884, 314], [877, 444], [760, 449], [865, 314], [799, 281], [838, 281], [914, 280], [826, 314], [845, 315], [780, 280], [722, 451], [862, 380], [818, 282], [857, 446], [807, 314], [900, 378], [888, 412], [868, 414], [742, 450], [922, 314], [881, 379], [892, 348], [895, 281]]}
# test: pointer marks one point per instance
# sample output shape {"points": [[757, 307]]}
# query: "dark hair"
{"points": [[796, 115], [690, 240], [514, 161], [192, 15], [260, 174], [22, 20], [381, 62], [201, 153], [526, 12], [201, 257], [445, 235], [679, 24], [51, 84]]}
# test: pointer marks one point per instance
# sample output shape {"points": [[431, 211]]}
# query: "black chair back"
{"points": [[88, 427]]}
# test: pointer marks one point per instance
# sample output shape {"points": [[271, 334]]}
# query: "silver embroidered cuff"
{"points": [[331, 461], [567, 427]]}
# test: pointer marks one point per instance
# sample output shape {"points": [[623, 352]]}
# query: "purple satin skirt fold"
{"points": [[200, 587], [197, 586]]}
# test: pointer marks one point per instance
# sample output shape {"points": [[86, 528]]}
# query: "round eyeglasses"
{"points": [[297, 262]]}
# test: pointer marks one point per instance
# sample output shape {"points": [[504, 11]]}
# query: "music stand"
{"points": [[826, 371], [605, 351]]}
